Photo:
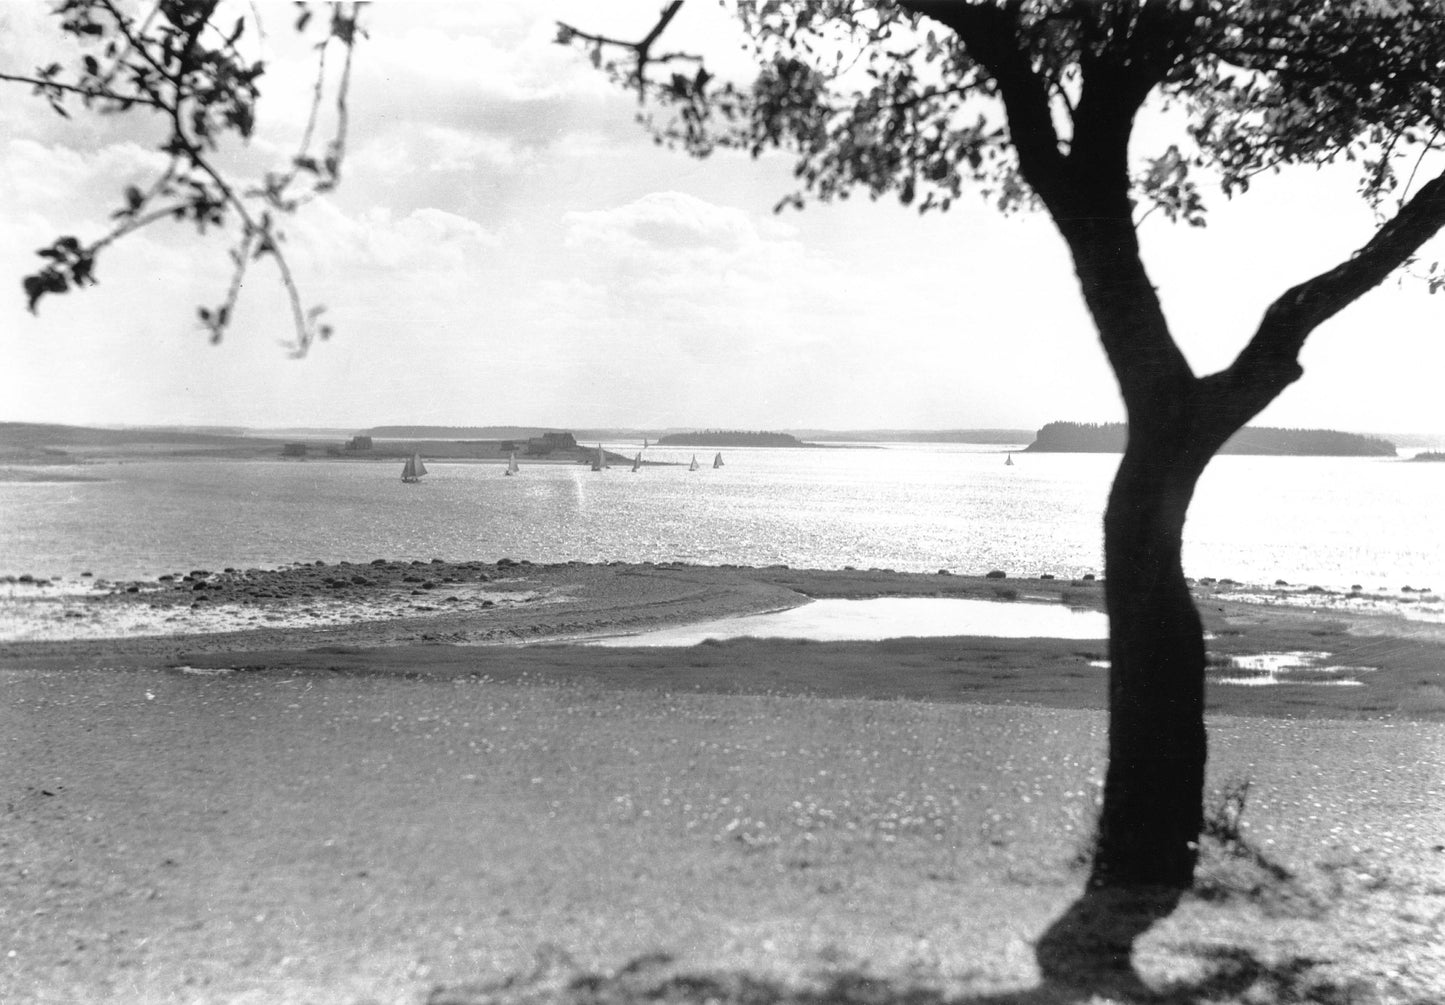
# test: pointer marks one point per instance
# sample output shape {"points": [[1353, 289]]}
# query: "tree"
{"points": [[187, 61], [1034, 102]]}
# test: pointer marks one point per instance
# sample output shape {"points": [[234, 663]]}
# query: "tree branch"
{"points": [[85, 92], [1270, 362], [991, 36], [642, 49]]}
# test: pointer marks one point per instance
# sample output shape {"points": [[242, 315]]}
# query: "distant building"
{"points": [[359, 443]]}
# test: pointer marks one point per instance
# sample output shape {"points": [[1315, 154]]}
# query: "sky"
{"points": [[508, 247]]}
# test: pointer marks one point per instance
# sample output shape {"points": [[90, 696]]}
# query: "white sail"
{"points": [[717, 461], [512, 468], [600, 462], [693, 465], [637, 461]]}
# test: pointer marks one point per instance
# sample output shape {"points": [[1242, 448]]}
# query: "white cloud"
{"points": [[35, 174], [670, 222], [424, 240]]}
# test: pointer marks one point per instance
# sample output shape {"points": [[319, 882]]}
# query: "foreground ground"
{"points": [[374, 810]]}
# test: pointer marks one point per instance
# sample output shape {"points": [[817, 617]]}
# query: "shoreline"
{"points": [[394, 589], [1272, 652]]}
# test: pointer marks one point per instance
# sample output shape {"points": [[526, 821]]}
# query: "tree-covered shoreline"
{"points": [[730, 438], [1110, 437]]}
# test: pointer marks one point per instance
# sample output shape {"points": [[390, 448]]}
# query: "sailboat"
{"points": [[693, 465], [600, 462], [512, 468], [637, 461], [717, 461], [1010, 461], [413, 470], [645, 444]]}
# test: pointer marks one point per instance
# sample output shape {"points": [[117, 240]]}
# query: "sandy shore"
{"points": [[383, 797]]}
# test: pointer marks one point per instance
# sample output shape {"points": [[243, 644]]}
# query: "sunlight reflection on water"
{"points": [[913, 507]]}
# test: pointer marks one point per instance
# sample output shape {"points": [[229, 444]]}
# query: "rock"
{"points": [[1280, 582], [995, 574], [1087, 577], [1047, 575]]}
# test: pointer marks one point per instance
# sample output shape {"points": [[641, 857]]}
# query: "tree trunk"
{"points": [[1153, 790]]}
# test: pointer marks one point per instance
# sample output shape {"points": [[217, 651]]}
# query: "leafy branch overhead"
{"points": [[179, 60], [877, 97]]}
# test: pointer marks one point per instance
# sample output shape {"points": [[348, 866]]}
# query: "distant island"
{"points": [[1429, 455], [1109, 437], [458, 432], [33, 443], [990, 436], [729, 438]]}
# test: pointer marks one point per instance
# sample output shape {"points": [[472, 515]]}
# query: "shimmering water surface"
{"points": [[918, 507]]}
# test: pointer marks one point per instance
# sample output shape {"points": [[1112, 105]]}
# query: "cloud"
{"points": [[664, 221], [40, 176], [376, 240]]}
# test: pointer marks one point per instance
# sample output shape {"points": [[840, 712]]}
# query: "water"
{"points": [[916, 507], [886, 618]]}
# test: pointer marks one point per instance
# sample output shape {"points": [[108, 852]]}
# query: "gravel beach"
{"points": [[393, 802]]}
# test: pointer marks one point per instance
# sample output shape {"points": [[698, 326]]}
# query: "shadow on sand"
{"points": [[1084, 956]]}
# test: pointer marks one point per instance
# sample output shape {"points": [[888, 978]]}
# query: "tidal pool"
{"points": [[886, 618]]}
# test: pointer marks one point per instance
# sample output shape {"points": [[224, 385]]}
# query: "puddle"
{"points": [[1266, 669], [886, 618], [1300, 667]]}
